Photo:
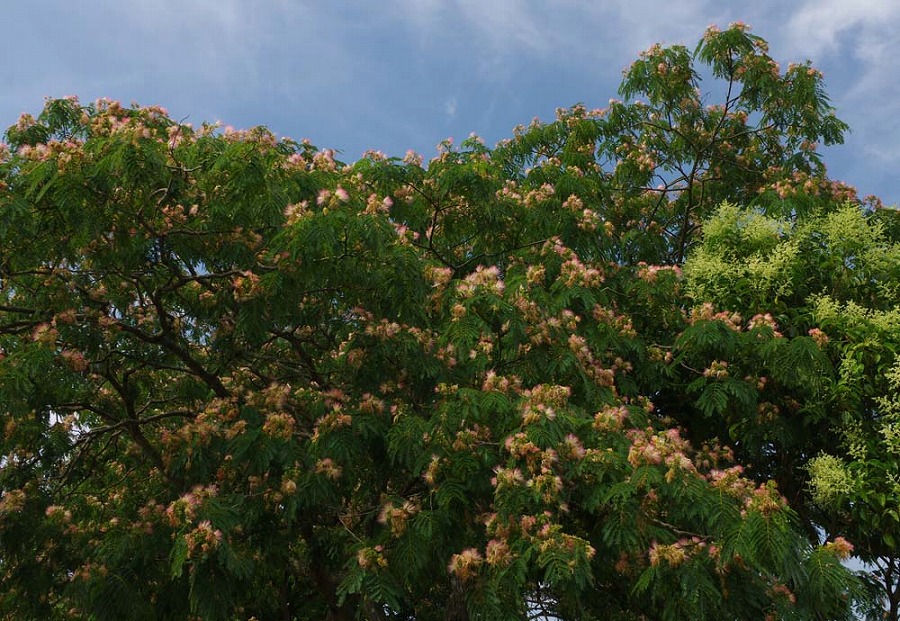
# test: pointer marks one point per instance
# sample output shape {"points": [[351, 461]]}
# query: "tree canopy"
{"points": [[564, 376]]}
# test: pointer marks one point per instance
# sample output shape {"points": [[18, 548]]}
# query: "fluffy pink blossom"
{"points": [[841, 547], [465, 564]]}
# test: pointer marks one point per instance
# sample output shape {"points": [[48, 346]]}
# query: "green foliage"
{"points": [[239, 378], [823, 420], [664, 159]]}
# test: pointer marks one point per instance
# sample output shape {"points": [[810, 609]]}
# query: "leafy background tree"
{"points": [[824, 359], [243, 379]]}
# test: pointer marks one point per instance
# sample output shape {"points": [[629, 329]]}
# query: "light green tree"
{"points": [[811, 393]]}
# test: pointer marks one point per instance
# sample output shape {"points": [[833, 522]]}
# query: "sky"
{"points": [[394, 75]]}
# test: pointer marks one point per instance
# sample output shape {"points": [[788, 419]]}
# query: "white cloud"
{"points": [[861, 38], [576, 31], [818, 25], [450, 108], [497, 26]]}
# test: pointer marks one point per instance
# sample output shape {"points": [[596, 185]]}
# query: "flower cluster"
{"points": [[203, 539], [183, 510], [533, 198], [328, 468], [574, 273], [465, 565], [717, 369], [840, 547], [279, 426], [59, 514], [295, 212], [12, 501], [619, 322], [764, 321], [396, 517], [483, 278], [819, 337], [246, 286], [371, 558], [504, 384], [542, 401], [706, 312], [610, 418], [649, 447], [497, 553], [335, 419], [507, 477]]}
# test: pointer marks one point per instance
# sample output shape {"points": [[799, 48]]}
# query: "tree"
{"points": [[810, 392], [660, 162], [242, 379]]}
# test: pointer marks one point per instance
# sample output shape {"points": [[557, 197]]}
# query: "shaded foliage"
{"points": [[240, 378]]}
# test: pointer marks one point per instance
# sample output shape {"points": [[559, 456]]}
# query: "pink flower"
{"points": [[413, 158], [819, 337], [573, 447], [371, 558], [328, 468], [841, 547], [497, 552], [465, 564]]}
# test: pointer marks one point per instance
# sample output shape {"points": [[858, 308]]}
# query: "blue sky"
{"points": [[405, 74]]}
